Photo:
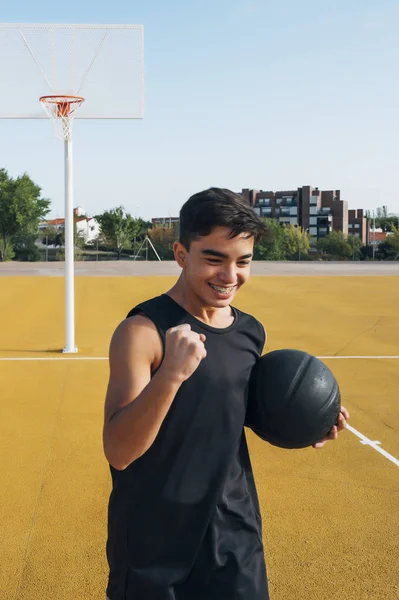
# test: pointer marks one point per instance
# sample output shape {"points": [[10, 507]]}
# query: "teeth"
{"points": [[222, 290]]}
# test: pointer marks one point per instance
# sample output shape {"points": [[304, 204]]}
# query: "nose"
{"points": [[228, 274]]}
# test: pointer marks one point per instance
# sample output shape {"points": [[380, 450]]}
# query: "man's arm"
{"points": [[136, 403]]}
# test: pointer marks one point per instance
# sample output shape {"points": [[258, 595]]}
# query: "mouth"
{"points": [[222, 291]]}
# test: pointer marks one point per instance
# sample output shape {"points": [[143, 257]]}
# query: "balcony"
{"points": [[324, 221], [263, 202], [322, 231], [266, 212], [289, 200]]}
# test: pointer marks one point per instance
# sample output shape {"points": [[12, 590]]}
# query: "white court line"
{"points": [[375, 445], [364, 440]]}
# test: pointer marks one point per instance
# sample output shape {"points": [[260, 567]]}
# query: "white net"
{"points": [[102, 63], [61, 110]]}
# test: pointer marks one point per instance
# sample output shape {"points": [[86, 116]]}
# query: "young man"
{"points": [[184, 520]]}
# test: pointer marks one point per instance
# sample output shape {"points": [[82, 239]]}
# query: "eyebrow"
{"points": [[210, 252]]}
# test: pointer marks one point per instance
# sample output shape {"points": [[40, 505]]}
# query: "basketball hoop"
{"points": [[61, 110], [62, 65]]}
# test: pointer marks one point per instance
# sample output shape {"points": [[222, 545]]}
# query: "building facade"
{"points": [[359, 225], [86, 226], [314, 210]]}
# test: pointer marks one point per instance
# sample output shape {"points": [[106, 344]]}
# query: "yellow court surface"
{"points": [[330, 516]]}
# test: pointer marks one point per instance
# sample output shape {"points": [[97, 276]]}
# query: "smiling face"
{"points": [[216, 266]]}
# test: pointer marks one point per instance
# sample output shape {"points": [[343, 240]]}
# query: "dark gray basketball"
{"points": [[293, 399]]}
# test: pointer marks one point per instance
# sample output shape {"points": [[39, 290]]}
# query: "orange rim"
{"points": [[64, 103]]}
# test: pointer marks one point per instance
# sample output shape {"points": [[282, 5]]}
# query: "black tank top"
{"points": [[183, 519]]}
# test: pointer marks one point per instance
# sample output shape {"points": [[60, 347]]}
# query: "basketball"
{"points": [[293, 399]]}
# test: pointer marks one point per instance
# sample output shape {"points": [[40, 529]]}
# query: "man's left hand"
{"points": [[333, 434]]}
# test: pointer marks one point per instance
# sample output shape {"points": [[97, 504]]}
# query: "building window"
{"points": [[293, 221], [293, 211], [313, 200], [312, 230], [313, 210], [357, 225], [312, 220]]}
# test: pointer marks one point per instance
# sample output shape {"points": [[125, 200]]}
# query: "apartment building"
{"points": [[314, 210], [359, 225]]}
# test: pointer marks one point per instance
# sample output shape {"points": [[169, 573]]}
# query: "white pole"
{"points": [[69, 251], [373, 235], [152, 246]]}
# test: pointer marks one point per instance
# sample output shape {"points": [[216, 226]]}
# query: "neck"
{"points": [[184, 295]]}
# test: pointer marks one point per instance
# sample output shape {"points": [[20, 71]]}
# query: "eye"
{"points": [[214, 261], [243, 263]]}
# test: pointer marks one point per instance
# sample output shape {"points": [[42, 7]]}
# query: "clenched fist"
{"points": [[184, 350]]}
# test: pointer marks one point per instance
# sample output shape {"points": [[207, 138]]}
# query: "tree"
{"points": [[386, 223], [25, 247], [282, 242], [335, 246], [384, 251], [51, 236], [295, 242], [366, 252], [393, 240], [271, 246], [116, 228], [163, 239], [140, 230], [355, 244], [21, 210]]}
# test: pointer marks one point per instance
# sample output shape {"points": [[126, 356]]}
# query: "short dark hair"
{"points": [[218, 207]]}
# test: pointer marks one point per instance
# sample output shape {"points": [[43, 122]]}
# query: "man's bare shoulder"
{"points": [[136, 334], [138, 324]]}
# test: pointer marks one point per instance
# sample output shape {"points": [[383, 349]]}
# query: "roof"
{"points": [[378, 236], [56, 222]]}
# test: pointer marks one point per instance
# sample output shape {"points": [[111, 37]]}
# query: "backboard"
{"points": [[102, 63]]}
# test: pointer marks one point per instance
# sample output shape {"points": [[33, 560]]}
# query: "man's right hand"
{"points": [[184, 350], [143, 383]]}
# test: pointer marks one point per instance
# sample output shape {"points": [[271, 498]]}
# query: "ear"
{"points": [[180, 254]]}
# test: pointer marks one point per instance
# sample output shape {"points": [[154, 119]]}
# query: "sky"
{"points": [[264, 94]]}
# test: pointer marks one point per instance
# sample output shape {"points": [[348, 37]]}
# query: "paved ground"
{"points": [[125, 268], [330, 516]]}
